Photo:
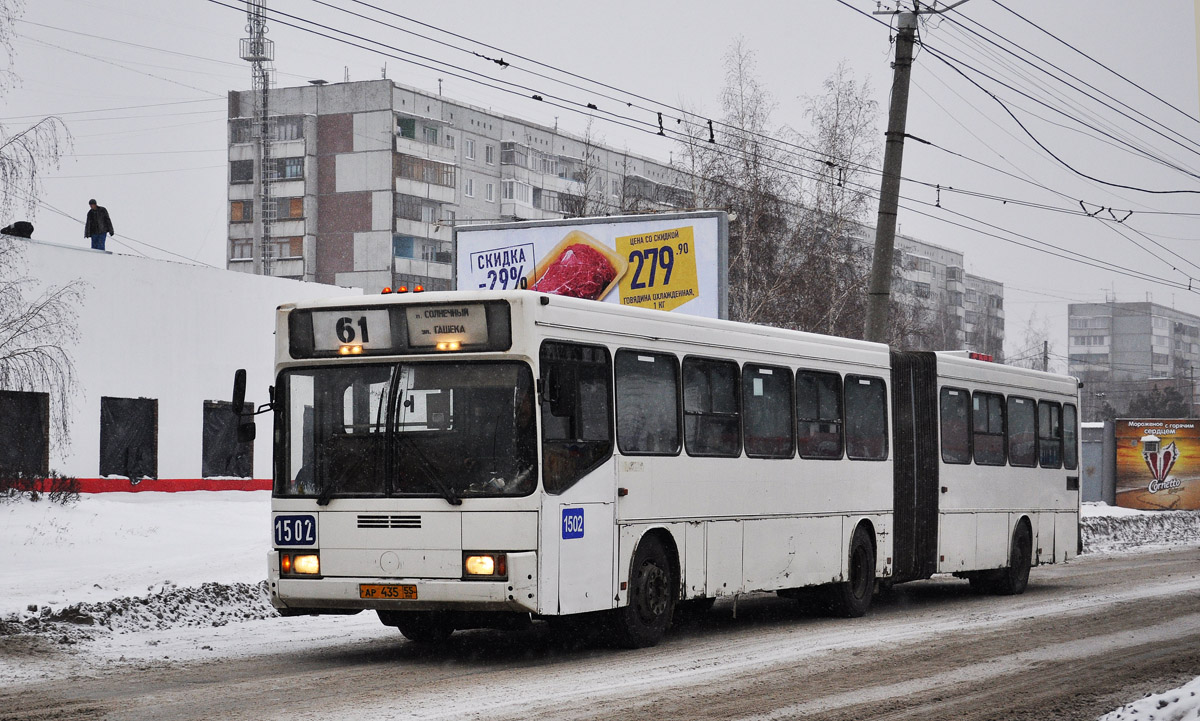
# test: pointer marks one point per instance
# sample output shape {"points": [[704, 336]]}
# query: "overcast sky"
{"points": [[142, 88]]}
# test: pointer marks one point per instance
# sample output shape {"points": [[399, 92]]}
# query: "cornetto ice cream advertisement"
{"points": [[1158, 463], [667, 263]]}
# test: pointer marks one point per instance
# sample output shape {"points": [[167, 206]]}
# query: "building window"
{"points": [[520, 192], [429, 135], [469, 148], [129, 437], [288, 208], [286, 247], [289, 168], [426, 171], [289, 128], [241, 171], [449, 141], [420, 210], [402, 246], [241, 211], [221, 452], [490, 192], [469, 187], [406, 128], [241, 249], [25, 428], [489, 154]]}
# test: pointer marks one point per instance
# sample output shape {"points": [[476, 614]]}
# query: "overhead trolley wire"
{"points": [[651, 128], [1187, 115]]}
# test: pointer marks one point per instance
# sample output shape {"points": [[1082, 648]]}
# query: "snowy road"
{"points": [[1085, 638]]}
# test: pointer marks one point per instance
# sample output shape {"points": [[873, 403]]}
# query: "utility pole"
{"points": [[1045, 355], [880, 290]]}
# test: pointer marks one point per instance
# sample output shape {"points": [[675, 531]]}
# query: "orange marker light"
{"points": [[386, 290], [402, 289], [419, 289]]}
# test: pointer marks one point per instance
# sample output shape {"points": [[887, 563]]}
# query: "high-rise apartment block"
{"points": [[1120, 350], [367, 179]]}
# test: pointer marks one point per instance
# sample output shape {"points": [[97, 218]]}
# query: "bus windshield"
{"points": [[450, 429]]}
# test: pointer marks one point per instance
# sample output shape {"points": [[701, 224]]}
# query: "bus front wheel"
{"points": [[652, 595], [424, 627], [852, 598]]}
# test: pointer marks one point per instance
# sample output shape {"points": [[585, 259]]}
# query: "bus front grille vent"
{"points": [[385, 521]]}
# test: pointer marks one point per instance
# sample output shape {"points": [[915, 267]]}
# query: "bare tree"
{"points": [[1036, 345], [37, 329], [589, 173], [37, 324], [830, 238], [24, 151]]}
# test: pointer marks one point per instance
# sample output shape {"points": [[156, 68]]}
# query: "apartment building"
{"points": [[1120, 350], [366, 180]]}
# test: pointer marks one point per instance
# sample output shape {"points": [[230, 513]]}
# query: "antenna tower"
{"points": [[260, 52]]}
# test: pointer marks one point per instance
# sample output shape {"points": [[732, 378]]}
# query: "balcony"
{"points": [[421, 189], [419, 149], [425, 268]]}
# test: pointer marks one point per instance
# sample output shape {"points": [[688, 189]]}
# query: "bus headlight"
{"points": [[492, 566], [299, 564]]}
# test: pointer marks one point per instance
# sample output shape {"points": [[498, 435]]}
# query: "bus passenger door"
{"points": [[586, 540]]}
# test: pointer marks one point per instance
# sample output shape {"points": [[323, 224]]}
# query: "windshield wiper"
{"points": [[427, 472], [326, 494]]}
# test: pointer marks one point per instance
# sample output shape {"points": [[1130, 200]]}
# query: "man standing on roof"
{"points": [[98, 226]]}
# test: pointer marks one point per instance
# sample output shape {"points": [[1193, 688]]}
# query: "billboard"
{"points": [[1158, 463], [665, 261]]}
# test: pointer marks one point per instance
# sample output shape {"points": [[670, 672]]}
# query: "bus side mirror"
{"points": [[245, 430], [239, 390]]}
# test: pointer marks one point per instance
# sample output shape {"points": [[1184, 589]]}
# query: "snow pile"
{"points": [[1177, 705], [1107, 528]]}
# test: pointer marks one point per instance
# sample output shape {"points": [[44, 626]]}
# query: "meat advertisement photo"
{"points": [[664, 261]]}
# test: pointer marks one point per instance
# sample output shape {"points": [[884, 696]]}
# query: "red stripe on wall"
{"points": [[169, 485]]}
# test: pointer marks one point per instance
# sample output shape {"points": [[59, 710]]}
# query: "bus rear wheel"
{"points": [[652, 595], [852, 598], [1012, 581]]}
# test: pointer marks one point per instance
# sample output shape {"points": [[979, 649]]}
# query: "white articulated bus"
{"points": [[466, 459]]}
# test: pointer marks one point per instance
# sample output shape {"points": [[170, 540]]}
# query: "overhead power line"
{"points": [[625, 121]]}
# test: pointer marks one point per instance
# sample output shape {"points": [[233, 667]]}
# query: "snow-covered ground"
{"points": [[181, 574]]}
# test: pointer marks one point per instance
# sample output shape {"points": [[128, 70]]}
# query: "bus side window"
{"points": [[647, 403], [1050, 436], [1022, 432], [956, 430], [1070, 438], [818, 414], [987, 426], [576, 404], [866, 419], [767, 411], [710, 408]]}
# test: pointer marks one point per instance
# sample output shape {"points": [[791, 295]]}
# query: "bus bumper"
{"points": [[339, 595]]}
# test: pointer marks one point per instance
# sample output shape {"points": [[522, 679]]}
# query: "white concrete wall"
{"points": [[169, 331]]}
